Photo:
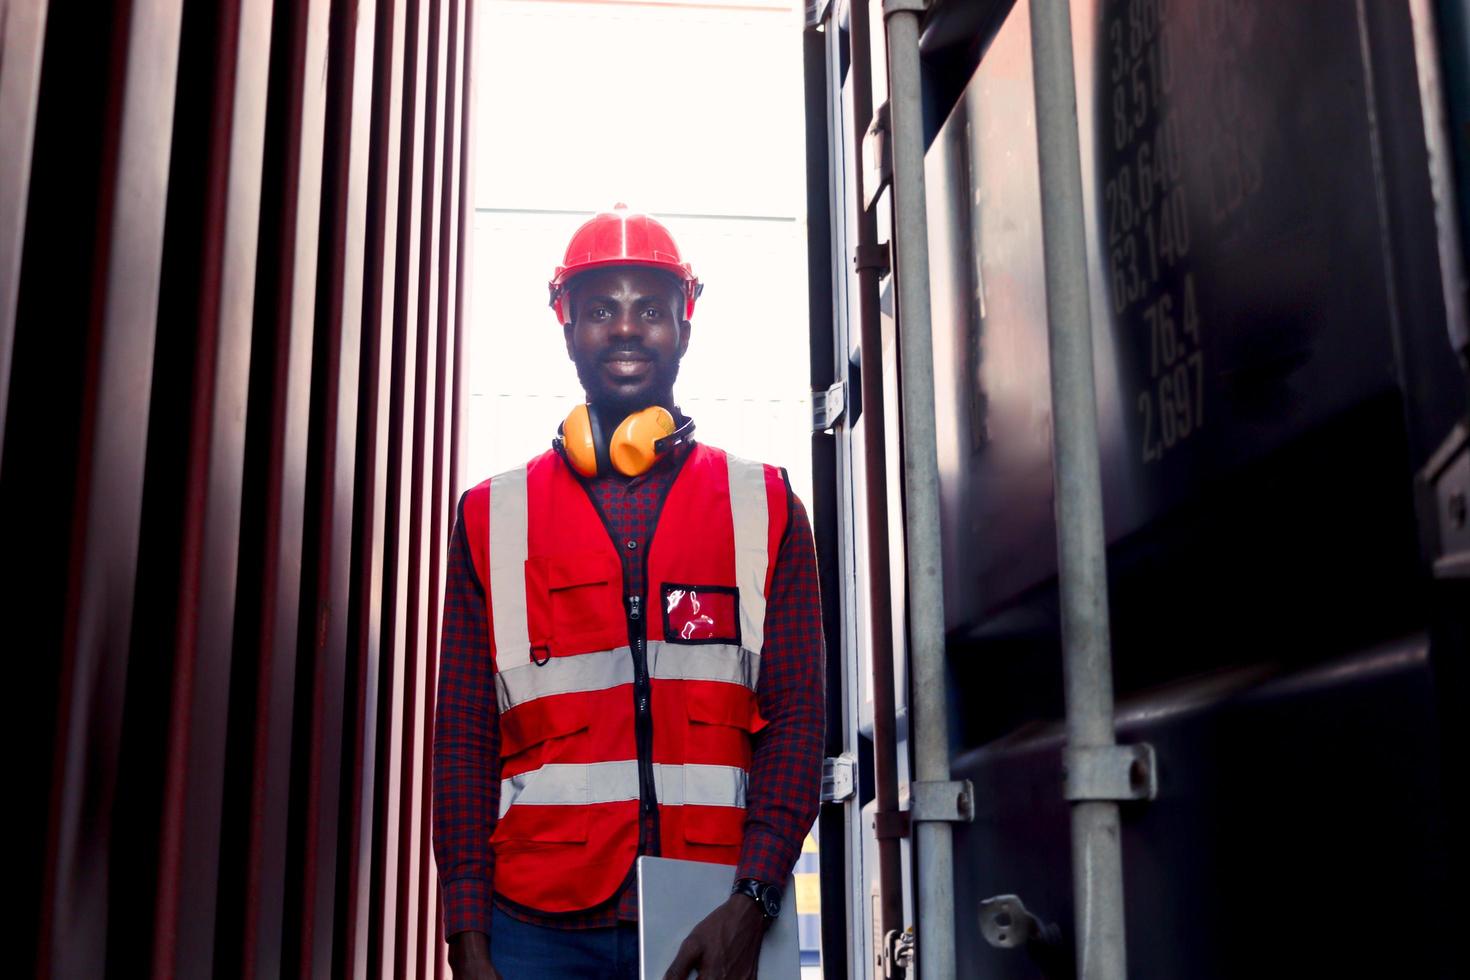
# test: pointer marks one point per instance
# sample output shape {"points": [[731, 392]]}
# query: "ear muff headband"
{"points": [[636, 444], [599, 444], [679, 435]]}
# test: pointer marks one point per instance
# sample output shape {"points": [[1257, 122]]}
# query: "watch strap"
{"points": [[766, 896]]}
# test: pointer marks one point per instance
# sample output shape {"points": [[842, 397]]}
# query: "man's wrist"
{"points": [[469, 948], [470, 939], [767, 897]]}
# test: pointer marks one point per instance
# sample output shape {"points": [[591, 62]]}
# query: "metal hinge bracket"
{"points": [[897, 956], [873, 256], [951, 801], [877, 157], [1444, 489], [1006, 923], [839, 778], [1114, 772], [891, 825], [828, 406]]}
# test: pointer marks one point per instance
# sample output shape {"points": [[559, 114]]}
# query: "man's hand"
{"points": [[469, 957], [726, 945]]}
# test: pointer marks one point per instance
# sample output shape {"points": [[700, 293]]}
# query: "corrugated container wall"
{"points": [[231, 288]]}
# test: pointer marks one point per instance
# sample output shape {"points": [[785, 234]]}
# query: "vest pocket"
{"points": [[700, 613], [548, 799], [585, 605], [718, 703], [545, 723], [721, 719], [544, 825], [714, 826]]}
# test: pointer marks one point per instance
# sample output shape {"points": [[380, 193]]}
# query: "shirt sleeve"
{"points": [[466, 773], [786, 764]]}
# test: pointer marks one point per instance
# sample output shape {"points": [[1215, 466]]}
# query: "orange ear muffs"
{"points": [[637, 444], [634, 446], [580, 441]]}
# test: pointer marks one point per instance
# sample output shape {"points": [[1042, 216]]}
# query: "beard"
{"points": [[620, 401]]}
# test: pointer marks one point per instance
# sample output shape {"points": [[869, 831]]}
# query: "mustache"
{"points": [[627, 353]]}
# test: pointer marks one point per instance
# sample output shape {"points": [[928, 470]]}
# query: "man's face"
{"points": [[627, 336]]}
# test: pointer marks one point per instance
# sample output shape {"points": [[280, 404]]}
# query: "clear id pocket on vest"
{"points": [[701, 613]]}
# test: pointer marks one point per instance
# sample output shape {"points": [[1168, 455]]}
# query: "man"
{"points": [[631, 657]]}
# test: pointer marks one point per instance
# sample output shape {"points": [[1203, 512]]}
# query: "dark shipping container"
{"points": [[1278, 318]]}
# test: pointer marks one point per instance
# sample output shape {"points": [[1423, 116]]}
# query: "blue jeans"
{"points": [[522, 951]]}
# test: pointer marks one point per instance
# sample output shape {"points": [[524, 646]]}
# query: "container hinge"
{"points": [[897, 957], [1444, 489], [839, 778], [874, 256], [828, 406], [1006, 923], [877, 157], [951, 801], [891, 825], [1113, 772]]}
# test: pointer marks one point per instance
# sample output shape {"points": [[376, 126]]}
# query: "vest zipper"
{"points": [[642, 711]]}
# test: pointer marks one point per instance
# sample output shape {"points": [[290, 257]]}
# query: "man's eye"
{"points": [[600, 313], [653, 312]]}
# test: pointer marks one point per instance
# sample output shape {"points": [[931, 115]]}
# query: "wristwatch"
{"points": [[766, 895]]}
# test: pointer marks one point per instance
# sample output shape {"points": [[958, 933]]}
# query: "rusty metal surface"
{"points": [[206, 310], [77, 421], [234, 244], [365, 636], [406, 529], [421, 623]]}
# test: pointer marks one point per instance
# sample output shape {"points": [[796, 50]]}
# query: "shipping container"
{"points": [[232, 238], [1276, 283]]}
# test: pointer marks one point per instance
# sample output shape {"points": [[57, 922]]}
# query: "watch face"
{"points": [[771, 903]]}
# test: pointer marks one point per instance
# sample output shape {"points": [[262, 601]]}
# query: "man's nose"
{"points": [[627, 324]]}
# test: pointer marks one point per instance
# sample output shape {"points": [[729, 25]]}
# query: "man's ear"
{"points": [[566, 329], [684, 327]]}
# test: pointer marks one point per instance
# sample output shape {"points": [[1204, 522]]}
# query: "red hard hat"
{"points": [[621, 237]]}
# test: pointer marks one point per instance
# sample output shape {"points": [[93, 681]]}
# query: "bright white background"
{"points": [[691, 112]]}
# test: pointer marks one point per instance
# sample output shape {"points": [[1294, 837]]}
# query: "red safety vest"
{"points": [[610, 702]]}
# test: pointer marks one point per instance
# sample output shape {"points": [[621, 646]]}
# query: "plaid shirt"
{"points": [[786, 761]]}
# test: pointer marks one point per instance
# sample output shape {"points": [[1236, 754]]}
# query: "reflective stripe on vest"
{"points": [[751, 520], [607, 669], [560, 784], [508, 545]]}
